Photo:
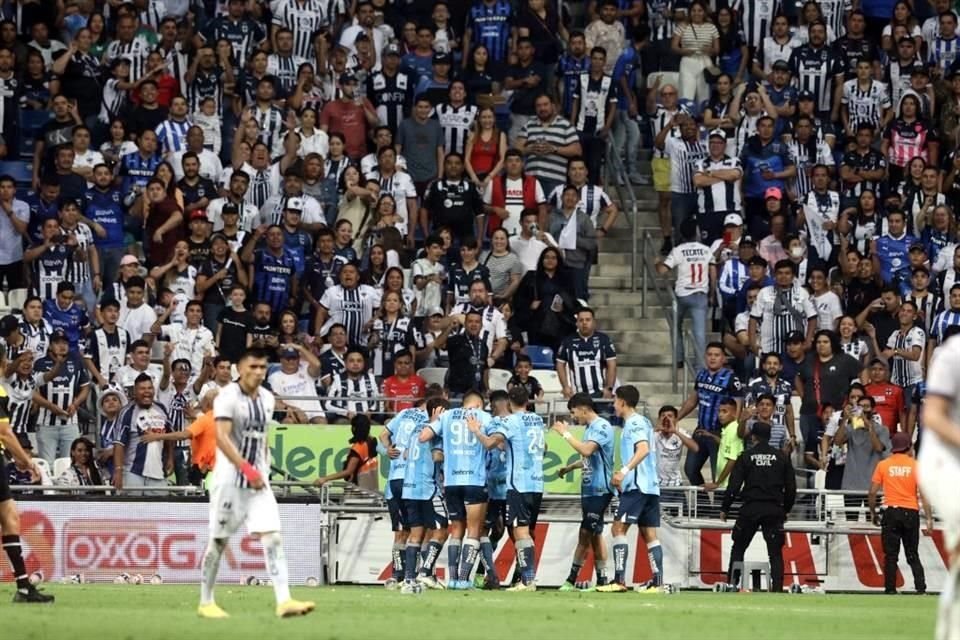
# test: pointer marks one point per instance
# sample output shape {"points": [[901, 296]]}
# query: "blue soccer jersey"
{"points": [[400, 428], [464, 458], [420, 473], [524, 433], [644, 477], [496, 469], [598, 467]]}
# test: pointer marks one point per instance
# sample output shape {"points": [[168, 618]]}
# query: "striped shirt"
{"points": [[48, 270], [78, 267], [781, 312], [594, 98], [172, 135], [62, 390], [559, 133], [177, 63], [586, 361], [112, 101], [352, 308], [153, 14], [805, 156], [352, 395], [142, 458], [908, 140], [942, 322], [756, 18], [773, 51], [491, 26], [455, 123], [684, 156], [394, 336], [206, 84], [659, 14], [242, 34], [814, 70], [943, 52], [927, 310], [37, 338], [136, 51], [835, 14], [865, 105], [20, 393], [176, 403], [569, 69], [593, 199], [284, 68], [392, 96], [869, 161], [724, 196], [272, 126], [905, 372], [659, 120], [249, 416], [303, 19]]}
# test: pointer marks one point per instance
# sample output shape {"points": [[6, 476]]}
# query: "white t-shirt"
{"points": [[137, 321], [292, 387], [530, 250], [513, 202], [432, 294], [189, 344], [828, 310], [902, 371], [692, 262], [400, 186], [669, 452], [210, 166]]}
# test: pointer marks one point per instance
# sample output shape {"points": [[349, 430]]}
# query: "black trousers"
{"points": [[901, 525], [769, 519], [594, 153]]}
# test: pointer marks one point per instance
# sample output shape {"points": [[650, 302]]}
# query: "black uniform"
{"points": [[769, 488], [4, 481]]}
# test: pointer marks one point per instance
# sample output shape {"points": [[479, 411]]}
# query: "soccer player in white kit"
{"points": [[240, 492], [939, 469]]}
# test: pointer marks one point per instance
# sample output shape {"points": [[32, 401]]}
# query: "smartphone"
{"points": [[727, 237]]}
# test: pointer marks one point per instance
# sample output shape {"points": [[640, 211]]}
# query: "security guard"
{"points": [[897, 477], [769, 489]]}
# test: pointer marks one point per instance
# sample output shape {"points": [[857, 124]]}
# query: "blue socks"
{"points": [[430, 558], [525, 559], [453, 558], [468, 558], [655, 553], [410, 568], [486, 555], [620, 559]]}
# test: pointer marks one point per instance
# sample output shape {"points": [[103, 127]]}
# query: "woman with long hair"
{"points": [[809, 14], [505, 266], [307, 93], [357, 199], [162, 220], [486, 149], [360, 467], [99, 35], [313, 139], [902, 16], [696, 42], [117, 144], [850, 341], [288, 330], [911, 179], [376, 266], [939, 232], [83, 470], [393, 281], [862, 223], [389, 331], [37, 85], [734, 53], [482, 78], [717, 113], [544, 304]]}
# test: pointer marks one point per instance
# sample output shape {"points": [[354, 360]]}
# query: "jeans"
{"points": [[210, 314], [626, 140], [110, 263], [693, 467], [682, 207], [84, 291], [134, 481], [695, 306], [54, 441], [809, 425]]}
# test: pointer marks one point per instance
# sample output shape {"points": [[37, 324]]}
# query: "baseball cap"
{"points": [[434, 311], [773, 192], [733, 219], [917, 246], [441, 57], [347, 77], [129, 259], [119, 61], [289, 352], [230, 208], [391, 50], [805, 95], [747, 241], [199, 214], [781, 65], [7, 324], [900, 442], [795, 337], [294, 204], [111, 391], [718, 133]]}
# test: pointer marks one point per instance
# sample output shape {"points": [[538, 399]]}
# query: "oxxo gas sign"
{"points": [[306, 452]]}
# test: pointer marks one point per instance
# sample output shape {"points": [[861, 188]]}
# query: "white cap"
{"points": [[294, 204], [734, 219]]}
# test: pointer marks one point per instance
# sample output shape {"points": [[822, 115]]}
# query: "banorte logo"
{"points": [[39, 539], [103, 548]]}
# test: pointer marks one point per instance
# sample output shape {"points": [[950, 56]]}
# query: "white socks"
{"points": [[209, 568], [276, 565]]}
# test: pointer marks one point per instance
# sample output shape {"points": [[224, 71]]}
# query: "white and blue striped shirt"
{"points": [[943, 52], [142, 458], [943, 321], [172, 135]]}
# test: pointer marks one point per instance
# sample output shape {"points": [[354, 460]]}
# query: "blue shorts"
{"points": [[460, 497], [639, 508], [429, 514], [395, 506], [496, 511], [523, 508], [593, 508]]}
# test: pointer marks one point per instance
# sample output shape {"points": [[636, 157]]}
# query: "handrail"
{"points": [[628, 202]]}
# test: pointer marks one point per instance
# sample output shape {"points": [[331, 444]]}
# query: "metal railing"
{"points": [[628, 203]]}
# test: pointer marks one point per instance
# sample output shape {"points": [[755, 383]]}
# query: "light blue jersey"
{"points": [[464, 458], [496, 469], [524, 433], [644, 477], [597, 469], [420, 479], [400, 428]]}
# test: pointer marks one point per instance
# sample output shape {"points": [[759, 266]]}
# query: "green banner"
{"points": [[306, 452]]}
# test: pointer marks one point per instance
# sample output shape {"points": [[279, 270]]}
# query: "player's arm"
{"points": [[489, 442], [585, 449], [388, 448], [564, 470], [226, 446], [12, 444], [640, 451], [936, 417]]}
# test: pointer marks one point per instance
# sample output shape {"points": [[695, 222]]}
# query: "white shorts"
{"points": [[939, 476], [232, 506]]}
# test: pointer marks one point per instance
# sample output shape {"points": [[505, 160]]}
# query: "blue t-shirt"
{"points": [[893, 255], [40, 212], [464, 457], [643, 477], [70, 320], [400, 428], [598, 467], [524, 433], [107, 210], [420, 481], [496, 471], [757, 158]]}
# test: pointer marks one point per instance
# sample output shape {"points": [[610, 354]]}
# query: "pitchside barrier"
{"points": [[340, 534]]}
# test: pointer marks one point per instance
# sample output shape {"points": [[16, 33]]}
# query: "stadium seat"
{"points": [[44, 467], [20, 171], [433, 375], [541, 357], [3, 300], [16, 298], [499, 379], [60, 465], [549, 382]]}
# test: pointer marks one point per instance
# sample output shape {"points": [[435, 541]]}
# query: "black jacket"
{"points": [[765, 475]]}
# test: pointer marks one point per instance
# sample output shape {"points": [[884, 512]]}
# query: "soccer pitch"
{"points": [[168, 612]]}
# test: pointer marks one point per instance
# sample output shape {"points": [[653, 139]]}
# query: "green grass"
{"points": [[167, 612]]}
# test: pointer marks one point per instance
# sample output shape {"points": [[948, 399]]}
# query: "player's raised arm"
{"points": [[585, 449], [430, 431], [489, 442]]}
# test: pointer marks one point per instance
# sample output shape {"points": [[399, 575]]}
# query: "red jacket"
{"points": [[498, 198]]}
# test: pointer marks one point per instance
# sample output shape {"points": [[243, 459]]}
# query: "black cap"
{"points": [[442, 57], [7, 324], [119, 61], [952, 73], [756, 261], [781, 65], [761, 431], [230, 208], [917, 246], [795, 337], [347, 77], [747, 241], [806, 95]]}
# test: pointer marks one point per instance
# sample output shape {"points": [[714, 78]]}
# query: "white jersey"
{"points": [[189, 344], [250, 415], [669, 451], [819, 209], [298, 389], [400, 186], [828, 309], [905, 372], [780, 313], [773, 51], [692, 262]]}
